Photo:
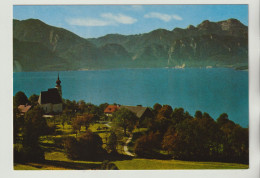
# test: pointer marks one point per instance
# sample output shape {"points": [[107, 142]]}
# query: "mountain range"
{"points": [[40, 47]]}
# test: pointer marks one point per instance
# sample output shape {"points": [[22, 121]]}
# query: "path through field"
{"points": [[126, 147]]}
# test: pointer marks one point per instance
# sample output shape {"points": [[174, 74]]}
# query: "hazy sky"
{"points": [[98, 20]]}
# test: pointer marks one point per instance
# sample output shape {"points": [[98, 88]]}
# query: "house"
{"points": [[51, 100], [24, 108], [140, 111], [110, 109]]}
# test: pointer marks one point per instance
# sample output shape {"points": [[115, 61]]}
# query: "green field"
{"points": [[146, 164], [56, 159]]}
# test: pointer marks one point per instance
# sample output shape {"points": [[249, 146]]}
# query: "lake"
{"points": [[215, 90]]}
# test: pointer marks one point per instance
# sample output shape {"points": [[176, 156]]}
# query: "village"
{"points": [[55, 133]]}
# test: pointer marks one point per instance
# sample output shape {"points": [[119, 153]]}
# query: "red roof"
{"points": [[24, 108], [111, 108]]}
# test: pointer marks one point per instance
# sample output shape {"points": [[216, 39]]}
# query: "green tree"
{"points": [[34, 127], [198, 114], [20, 99], [112, 142], [87, 147], [178, 115], [124, 118], [33, 99]]}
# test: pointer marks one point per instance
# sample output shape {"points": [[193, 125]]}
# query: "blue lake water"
{"points": [[215, 90]]}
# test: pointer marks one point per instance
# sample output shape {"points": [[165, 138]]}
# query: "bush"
{"points": [[87, 147]]}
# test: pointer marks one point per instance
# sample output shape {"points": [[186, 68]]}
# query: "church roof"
{"points": [[51, 96]]}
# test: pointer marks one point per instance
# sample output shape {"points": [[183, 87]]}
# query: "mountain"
{"points": [[38, 46]]}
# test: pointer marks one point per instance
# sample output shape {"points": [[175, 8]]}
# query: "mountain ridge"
{"points": [[216, 44]]}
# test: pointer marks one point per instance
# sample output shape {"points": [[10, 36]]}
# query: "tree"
{"points": [[198, 114], [20, 99], [178, 115], [76, 125], [34, 127], [156, 108], [124, 118], [87, 147], [17, 124], [147, 145], [112, 142], [165, 112], [33, 99], [82, 106], [169, 140]]}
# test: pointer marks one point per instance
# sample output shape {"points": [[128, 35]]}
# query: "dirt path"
{"points": [[126, 148]]}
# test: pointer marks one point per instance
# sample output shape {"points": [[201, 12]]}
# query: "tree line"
{"points": [[197, 138]]}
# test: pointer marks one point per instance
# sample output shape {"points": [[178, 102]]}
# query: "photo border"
{"points": [[6, 163]]}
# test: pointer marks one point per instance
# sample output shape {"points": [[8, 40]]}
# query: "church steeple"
{"points": [[58, 86], [58, 82]]}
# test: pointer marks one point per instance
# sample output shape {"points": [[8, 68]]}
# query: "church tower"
{"points": [[58, 86]]}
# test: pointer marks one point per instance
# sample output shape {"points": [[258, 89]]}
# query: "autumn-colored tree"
{"points": [[165, 112], [169, 140], [156, 108], [147, 145]]}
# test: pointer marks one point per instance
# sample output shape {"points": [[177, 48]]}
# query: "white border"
{"points": [[6, 83]]}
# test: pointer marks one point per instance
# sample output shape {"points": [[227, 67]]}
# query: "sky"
{"points": [[91, 21]]}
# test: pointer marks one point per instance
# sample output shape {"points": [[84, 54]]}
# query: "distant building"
{"points": [[24, 108], [51, 100], [110, 109], [140, 111]]}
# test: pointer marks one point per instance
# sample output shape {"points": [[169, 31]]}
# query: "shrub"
{"points": [[87, 147]]}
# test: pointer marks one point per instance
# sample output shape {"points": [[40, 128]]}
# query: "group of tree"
{"points": [[21, 99], [29, 127], [27, 130], [199, 138]]}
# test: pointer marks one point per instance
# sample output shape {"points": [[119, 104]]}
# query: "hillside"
{"points": [[38, 46]]}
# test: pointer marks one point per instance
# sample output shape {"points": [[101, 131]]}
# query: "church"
{"points": [[51, 100]]}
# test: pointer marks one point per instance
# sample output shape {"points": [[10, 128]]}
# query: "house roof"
{"points": [[24, 108], [111, 108], [138, 110], [51, 96]]}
